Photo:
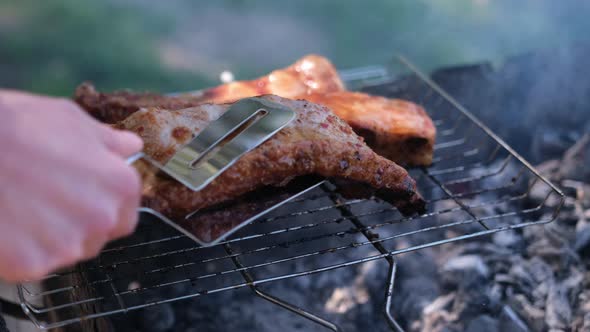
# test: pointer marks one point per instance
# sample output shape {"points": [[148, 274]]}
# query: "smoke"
{"points": [[253, 37]]}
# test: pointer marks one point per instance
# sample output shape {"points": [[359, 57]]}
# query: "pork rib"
{"points": [[316, 142]]}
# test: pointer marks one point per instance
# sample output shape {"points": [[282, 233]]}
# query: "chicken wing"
{"points": [[316, 142]]}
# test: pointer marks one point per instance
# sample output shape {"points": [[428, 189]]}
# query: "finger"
{"points": [[128, 188], [128, 215], [93, 245], [121, 142], [128, 218], [26, 262]]}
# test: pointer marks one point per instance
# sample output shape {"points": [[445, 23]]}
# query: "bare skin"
{"points": [[65, 188]]}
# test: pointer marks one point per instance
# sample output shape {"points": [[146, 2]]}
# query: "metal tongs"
{"points": [[243, 127]]}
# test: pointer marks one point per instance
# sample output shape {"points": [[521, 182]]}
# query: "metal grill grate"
{"points": [[476, 186]]}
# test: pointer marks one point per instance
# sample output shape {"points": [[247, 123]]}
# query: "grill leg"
{"points": [[393, 324], [347, 213], [272, 299]]}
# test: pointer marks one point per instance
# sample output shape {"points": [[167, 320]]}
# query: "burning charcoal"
{"points": [[539, 270], [549, 168], [586, 324], [576, 161], [559, 311], [509, 321], [157, 318], [413, 296], [549, 142], [476, 301], [582, 244], [463, 270], [508, 239], [538, 195], [448, 329], [416, 263], [533, 316], [483, 323], [560, 233], [551, 249], [201, 312]]}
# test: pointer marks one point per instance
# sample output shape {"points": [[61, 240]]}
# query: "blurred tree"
{"points": [[51, 46]]}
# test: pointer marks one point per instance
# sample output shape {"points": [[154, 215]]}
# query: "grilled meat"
{"points": [[316, 142], [396, 129], [116, 106], [310, 74]]}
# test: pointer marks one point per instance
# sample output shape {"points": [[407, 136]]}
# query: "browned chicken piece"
{"points": [[116, 106], [396, 129], [316, 142], [310, 74]]}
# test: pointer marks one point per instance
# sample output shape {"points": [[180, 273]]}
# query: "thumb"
{"points": [[121, 142]]}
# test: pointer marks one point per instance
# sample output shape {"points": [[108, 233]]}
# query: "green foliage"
{"points": [[51, 46], [54, 45]]}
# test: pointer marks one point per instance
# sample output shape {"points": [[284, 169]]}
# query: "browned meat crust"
{"points": [[397, 129], [310, 74], [116, 106], [317, 142]]}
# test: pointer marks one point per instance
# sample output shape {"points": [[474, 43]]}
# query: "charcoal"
{"points": [[414, 295], [586, 323], [448, 329], [483, 323], [475, 301], [532, 315], [464, 271], [560, 233], [508, 239], [420, 262], [539, 270], [436, 315], [157, 318], [576, 161], [582, 244], [569, 217], [559, 312], [509, 321], [196, 312], [539, 195], [550, 142]]}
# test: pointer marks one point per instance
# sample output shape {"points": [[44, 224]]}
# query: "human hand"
{"points": [[65, 187]]}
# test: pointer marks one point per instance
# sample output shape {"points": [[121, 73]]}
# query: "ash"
{"points": [[536, 279], [531, 279]]}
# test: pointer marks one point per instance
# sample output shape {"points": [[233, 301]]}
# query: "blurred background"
{"points": [[52, 46]]}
